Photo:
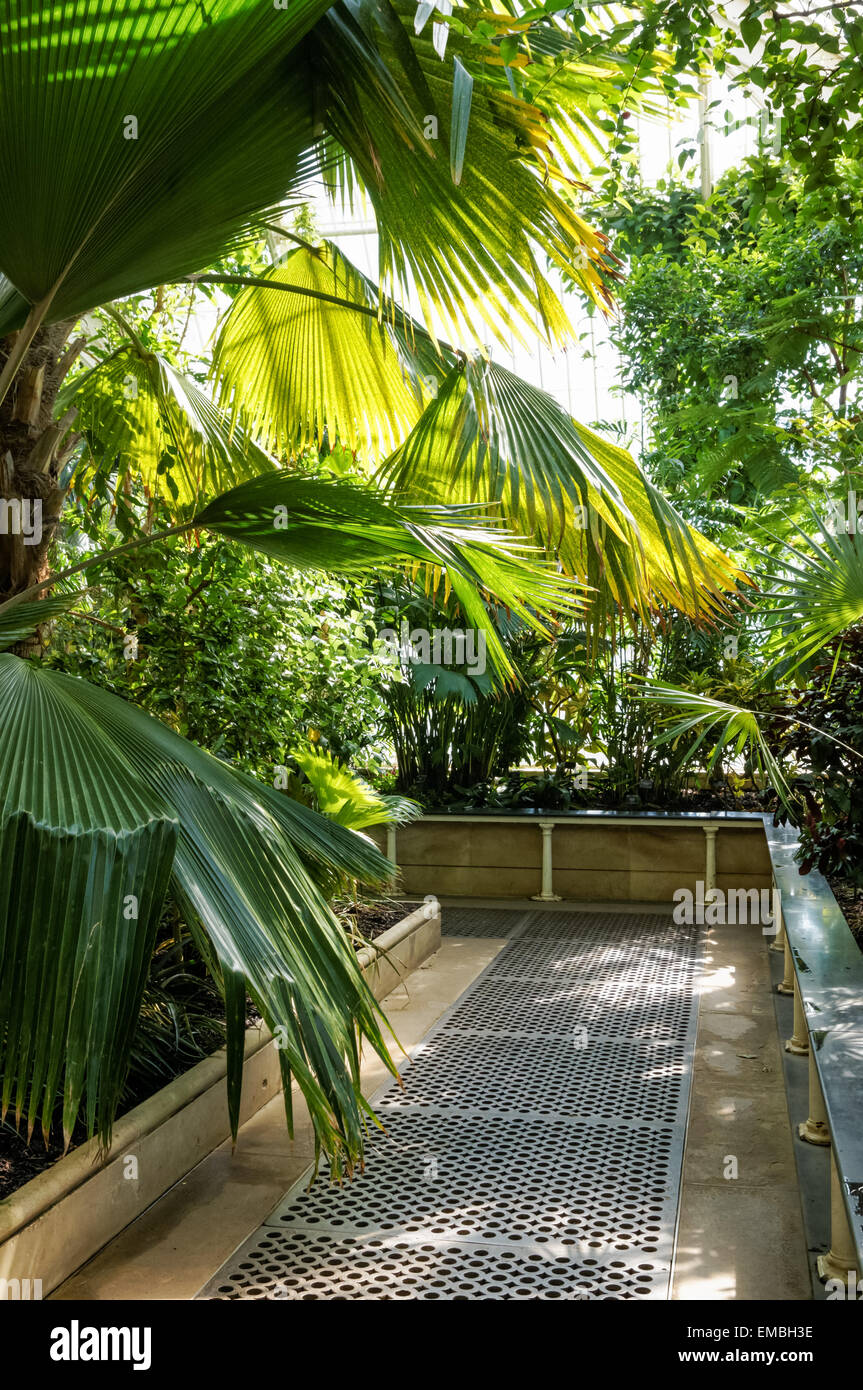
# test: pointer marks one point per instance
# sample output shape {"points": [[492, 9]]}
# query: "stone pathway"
{"points": [[535, 1147]]}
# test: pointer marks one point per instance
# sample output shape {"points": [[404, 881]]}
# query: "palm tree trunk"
{"points": [[33, 449]]}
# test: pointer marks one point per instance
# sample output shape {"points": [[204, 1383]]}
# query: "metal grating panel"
{"points": [[536, 1182], [513, 1008], [468, 921], [560, 925], [535, 1146], [587, 962], [574, 1078], [303, 1266]]}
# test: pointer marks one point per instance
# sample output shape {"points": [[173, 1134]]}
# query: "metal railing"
{"points": [[824, 972]]}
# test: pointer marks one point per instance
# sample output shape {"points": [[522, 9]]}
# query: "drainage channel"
{"points": [[535, 1147]]}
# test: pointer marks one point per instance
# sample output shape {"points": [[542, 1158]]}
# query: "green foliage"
{"points": [[300, 367], [179, 1022], [828, 741], [213, 90], [145, 806], [234, 106], [805, 64], [231, 651], [744, 347], [344, 797]]}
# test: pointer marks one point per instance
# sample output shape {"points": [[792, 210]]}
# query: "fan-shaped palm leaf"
{"points": [[469, 249], [488, 436], [88, 852], [343, 527], [733, 728], [161, 132], [818, 589], [148, 420], [346, 798], [297, 365]]}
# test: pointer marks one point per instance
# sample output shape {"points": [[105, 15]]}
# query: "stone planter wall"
{"points": [[596, 856]]}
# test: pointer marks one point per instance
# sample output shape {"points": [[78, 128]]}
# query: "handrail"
{"points": [[826, 967]]}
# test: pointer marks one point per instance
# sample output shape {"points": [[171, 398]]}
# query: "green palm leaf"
{"points": [[85, 857], [583, 79], [488, 436], [162, 131], [734, 729], [113, 825], [470, 248], [346, 798], [308, 522], [818, 591], [659, 559], [21, 622], [154, 423]]}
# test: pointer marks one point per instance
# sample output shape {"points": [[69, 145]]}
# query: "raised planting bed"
{"points": [[61, 1218], [583, 856]]}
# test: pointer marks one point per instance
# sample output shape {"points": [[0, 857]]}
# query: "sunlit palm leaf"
{"points": [[583, 78], [660, 559], [346, 798], [93, 207], [469, 249], [488, 436], [296, 365]]}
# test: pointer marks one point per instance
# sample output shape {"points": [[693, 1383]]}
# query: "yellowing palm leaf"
{"points": [[491, 438]]}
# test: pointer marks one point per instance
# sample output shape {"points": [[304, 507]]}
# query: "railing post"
{"points": [[786, 984], [547, 895], [840, 1261], [815, 1129], [778, 942], [710, 832], [798, 1043]]}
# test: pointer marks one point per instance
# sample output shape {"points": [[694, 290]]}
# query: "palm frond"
{"points": [[316, 523], [736, 730], [149, 421], [469, 248], [344, 797], [490, 437], [297, 366], [19, 623], [164, 131], [88, 853], [815, 591], [85, 857]]}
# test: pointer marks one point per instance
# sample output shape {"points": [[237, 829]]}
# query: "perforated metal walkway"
{"points": [[535, 1150]]}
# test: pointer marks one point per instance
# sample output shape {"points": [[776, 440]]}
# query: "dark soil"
{"points": [[20, 1161], [365, 921]]}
